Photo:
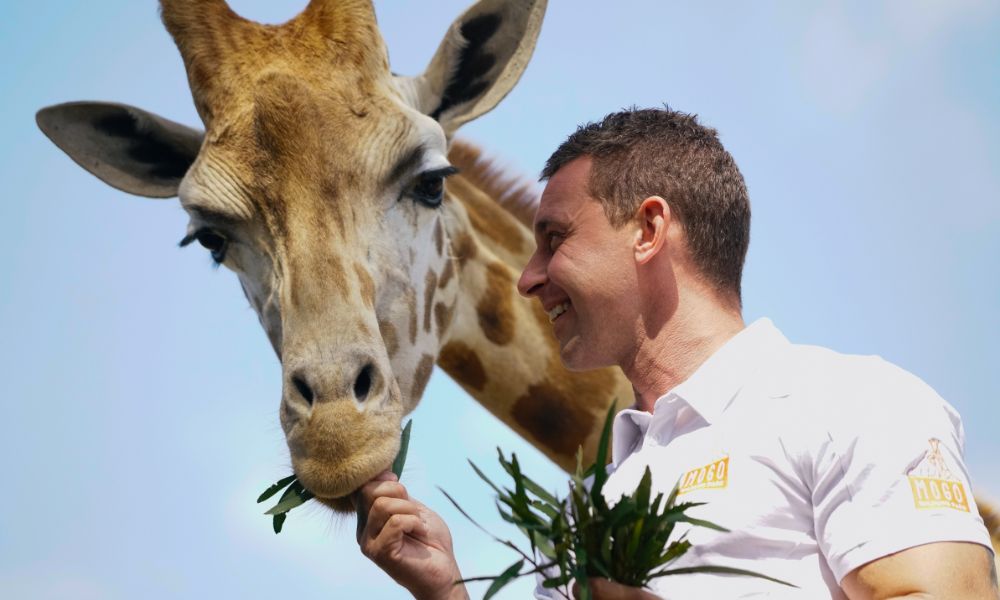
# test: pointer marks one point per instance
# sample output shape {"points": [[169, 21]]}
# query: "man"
{"points": [[840, 474]]}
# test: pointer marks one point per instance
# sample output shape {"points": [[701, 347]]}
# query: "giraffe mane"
{"points": [[513, 193]]}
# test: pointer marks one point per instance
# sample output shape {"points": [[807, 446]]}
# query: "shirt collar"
{"points": [[709, 390]]}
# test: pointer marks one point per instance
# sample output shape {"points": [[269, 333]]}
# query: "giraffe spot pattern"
{"points": [[366, 285], [411, 308], [463, 364], [446, 274], [495, 307], [390, 337], [422, 375], [464, 248], [430, 286], [337, 274], [438, 237], [442, 317], [554, 418]]}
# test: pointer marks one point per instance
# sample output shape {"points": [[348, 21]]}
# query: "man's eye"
{"points": [[428, 189], [554, 240], [213, 242]]}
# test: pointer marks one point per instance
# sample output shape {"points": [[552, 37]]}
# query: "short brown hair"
{"points": [[638, 153]]}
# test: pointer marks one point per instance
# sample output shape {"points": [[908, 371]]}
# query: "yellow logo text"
{"points": [[931, 492], [711, 476]]}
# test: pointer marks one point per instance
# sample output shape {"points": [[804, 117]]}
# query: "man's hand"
{"points": [[605, 589], [408, 541]]}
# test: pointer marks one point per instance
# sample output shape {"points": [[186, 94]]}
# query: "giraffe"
{"points": [[319, 180]]}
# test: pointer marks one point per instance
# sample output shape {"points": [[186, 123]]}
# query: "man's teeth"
{"points": [[555, 312]]}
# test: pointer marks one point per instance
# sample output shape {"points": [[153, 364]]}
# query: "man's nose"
{"points": [[532, 278]]}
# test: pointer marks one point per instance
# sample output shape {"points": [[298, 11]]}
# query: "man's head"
{"points": [[641, 193]]}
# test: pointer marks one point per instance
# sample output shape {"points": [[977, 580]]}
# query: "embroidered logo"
{"points": [[712, 476], [933, 484]]}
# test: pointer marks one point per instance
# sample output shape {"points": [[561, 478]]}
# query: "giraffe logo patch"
{"points": [[933, 484], [714, 475]]}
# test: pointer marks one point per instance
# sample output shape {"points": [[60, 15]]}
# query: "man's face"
{"points": [[582, 271]]}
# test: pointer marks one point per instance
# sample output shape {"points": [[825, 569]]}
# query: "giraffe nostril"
{"points": [[363, 384], [304, 390]]}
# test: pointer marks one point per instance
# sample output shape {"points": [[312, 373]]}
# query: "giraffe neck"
{"points": [[500, 346]]}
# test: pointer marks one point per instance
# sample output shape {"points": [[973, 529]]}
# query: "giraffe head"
{"points": [[319, 181]]}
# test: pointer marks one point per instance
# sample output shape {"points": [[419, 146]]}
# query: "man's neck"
{"points": [[666, 358]]}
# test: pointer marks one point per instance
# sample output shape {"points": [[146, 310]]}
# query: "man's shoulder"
{"points": [[811, 364], [856, 389]]}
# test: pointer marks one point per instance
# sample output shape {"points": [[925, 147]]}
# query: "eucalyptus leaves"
{"points": [[296, 494], [582, 536]]}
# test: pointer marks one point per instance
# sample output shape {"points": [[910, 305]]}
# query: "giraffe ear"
{"points": [[480, 59], [128, 148]]}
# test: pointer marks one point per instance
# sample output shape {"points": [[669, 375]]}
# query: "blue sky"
{"points": [[140, 396]]}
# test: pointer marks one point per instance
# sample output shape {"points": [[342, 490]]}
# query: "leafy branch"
{"points": [[631, 542]]}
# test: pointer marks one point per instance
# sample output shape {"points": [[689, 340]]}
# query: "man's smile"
{"points": [[557, 310]]}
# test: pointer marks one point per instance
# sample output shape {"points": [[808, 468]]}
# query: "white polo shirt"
{"points": [[816, 462]]}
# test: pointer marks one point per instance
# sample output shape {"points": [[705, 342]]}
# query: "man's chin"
{"points": [[577, 357]]}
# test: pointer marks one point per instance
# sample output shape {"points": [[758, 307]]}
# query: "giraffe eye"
{"points": [[428, 189], [211, 241]]}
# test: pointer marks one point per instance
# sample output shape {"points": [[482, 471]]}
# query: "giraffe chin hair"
{"points": [[332, 487]]}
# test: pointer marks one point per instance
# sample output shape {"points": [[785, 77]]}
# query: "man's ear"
{"points": [[480, 59], [652, 225], [128, 148]]}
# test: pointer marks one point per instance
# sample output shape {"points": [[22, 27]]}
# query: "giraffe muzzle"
{"points": [[341, 417]]}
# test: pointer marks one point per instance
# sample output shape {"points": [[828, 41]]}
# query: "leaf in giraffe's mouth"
{"points": [[296, 494]]}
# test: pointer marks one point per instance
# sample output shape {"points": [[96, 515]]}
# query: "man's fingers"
{"points": [[376, 489], [383, 476], [384, 484], [390, 540], [383, 508], [398, 525]]}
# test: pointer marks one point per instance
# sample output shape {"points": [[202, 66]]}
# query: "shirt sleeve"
{"points": [[890, 474]]}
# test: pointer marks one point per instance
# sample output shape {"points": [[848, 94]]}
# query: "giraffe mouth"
{"points": [[331, 485]]}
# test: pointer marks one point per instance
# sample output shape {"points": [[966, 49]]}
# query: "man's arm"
{"points": [[942, 570]]}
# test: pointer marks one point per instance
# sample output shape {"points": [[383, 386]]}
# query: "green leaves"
{"points": [[296, 494], [274, 489], [631, 542], [509, 574], [404, 445]]}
